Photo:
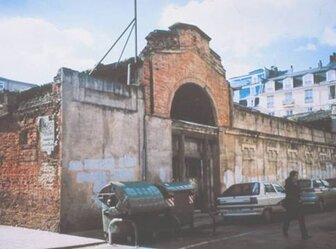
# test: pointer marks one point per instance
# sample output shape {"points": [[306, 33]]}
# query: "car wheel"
{"points": [[267, 215], [320, 205]]}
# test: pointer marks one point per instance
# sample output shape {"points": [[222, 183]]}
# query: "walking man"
{"points": [[293, 205]]}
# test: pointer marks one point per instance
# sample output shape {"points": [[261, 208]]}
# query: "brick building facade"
{"points": [[30, 159], [60, 143]]}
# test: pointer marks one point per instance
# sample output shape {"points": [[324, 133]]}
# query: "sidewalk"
{"points": [[23, 238]]}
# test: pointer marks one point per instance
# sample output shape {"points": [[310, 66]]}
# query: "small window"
{"points": [[256, 101], [243, 102], [288, 98], [23, 139], [269, 188], [309, 96], [288, 83], [309, 109], [289, 112], [308, 79], [2, 85], [331, 92], [270, 101]]}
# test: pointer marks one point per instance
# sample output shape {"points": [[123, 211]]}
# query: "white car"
{"points": [[252, 199]]}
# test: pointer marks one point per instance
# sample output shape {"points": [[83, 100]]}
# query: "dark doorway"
{"points": [[195, 160], [191, 103], [195, 143]]}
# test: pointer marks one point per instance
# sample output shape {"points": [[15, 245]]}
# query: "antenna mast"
{"points": [[134, 25], [135, 31]]}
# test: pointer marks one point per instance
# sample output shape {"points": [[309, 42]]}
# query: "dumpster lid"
{"points": [[135, 190], [177, 186], [136, 197]]}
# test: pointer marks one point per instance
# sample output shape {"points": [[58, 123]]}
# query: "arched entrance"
{"points": [[195, 142]]}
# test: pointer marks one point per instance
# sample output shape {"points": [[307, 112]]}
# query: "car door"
{"points": [[271, 195], [281, 194], [320, 190], [330, 192]]}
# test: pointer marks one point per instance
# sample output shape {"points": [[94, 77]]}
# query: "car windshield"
{"points": [[317, 184], [243, 189], [325, 183], [305, 183]]}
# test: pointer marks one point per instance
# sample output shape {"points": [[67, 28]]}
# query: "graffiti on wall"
{"points": [[99, 172]]}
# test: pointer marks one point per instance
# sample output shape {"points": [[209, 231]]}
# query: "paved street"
{"points": [[238, 234], [250, 234]]}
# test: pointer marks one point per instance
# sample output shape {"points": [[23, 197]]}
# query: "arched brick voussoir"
{"points": [[178, 56], [204, 86], [172, 70]]}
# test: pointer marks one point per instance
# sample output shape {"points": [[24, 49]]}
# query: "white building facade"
{"points": [[247, 88], [300, 92]]}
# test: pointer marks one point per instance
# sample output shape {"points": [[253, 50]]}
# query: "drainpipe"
{"points": [[151, 85], [144, 149]]}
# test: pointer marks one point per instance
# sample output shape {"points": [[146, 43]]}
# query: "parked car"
{"points": [[251, 199], [317, 193], [332, 182]]}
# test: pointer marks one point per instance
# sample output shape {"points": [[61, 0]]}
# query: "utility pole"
{"points": [[135, 31]]}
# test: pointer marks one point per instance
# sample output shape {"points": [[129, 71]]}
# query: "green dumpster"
{"points": [[141, 203], [179, 197]]}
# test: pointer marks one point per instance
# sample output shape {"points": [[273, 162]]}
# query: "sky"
{"points": [[37, 37]]}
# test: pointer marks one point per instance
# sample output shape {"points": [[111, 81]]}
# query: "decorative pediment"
{"points": [[248, 151], [292, 155]]}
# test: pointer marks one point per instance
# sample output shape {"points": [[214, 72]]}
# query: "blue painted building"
{"points": [[14, 86], [248, 87]]}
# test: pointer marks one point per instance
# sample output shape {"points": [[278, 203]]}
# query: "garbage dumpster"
{"points": [[139, 203], [180, 200]]}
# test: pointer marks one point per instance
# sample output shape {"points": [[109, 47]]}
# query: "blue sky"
{"points": [[40, 36]]}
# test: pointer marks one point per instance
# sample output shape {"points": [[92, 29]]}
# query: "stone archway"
{"points": [[192, 103], [195, 142]]}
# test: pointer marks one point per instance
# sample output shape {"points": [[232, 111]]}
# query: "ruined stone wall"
{"points": [[171, 59], [262, 147], [179, 56], [30, 159], [103, 127]]}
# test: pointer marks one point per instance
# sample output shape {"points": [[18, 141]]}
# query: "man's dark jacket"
{"points": [[292, 201]]}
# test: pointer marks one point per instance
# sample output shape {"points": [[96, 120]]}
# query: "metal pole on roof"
{"points": [[135, 31], [129, 25], [128, 37]]}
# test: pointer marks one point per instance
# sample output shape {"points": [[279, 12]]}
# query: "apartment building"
{"points": [[248, 87], [300, 92], [14, 85]]}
